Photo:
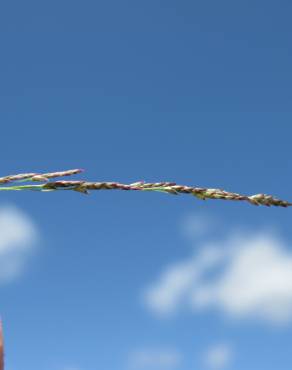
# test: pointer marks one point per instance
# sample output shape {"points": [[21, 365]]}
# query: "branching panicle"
{"points": [[165, 187]]}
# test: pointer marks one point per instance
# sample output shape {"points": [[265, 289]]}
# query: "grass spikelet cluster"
{"points": [[46, 182]]}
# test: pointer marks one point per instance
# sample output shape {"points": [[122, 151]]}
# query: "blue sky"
{"points": [[193, 92]]}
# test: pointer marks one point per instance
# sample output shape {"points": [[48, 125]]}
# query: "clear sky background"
{"points": [[193, 92]]}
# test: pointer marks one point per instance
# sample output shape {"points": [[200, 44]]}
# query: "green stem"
{"points": [[25, 187]]}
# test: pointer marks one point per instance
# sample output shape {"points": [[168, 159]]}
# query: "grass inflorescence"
{"points": [[43, 182]]}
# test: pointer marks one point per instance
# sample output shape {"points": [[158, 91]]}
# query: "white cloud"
{"points": [[154, 359], [245, 276], [18, 235], [196, 225], [174, 286], [218, 356]]}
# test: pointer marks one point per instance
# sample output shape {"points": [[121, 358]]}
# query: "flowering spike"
{"points": [[83, 187]]}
